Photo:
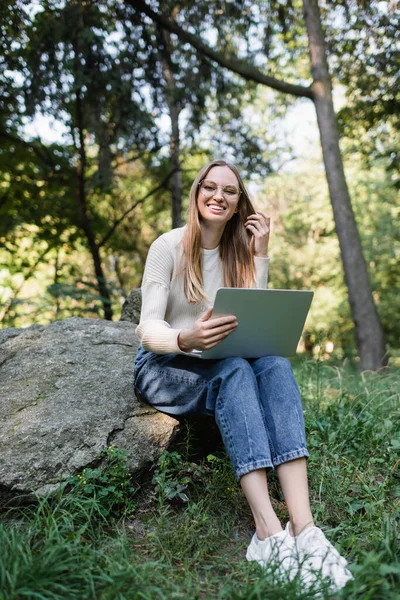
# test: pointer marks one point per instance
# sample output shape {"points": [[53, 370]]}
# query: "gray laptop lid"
{"points": [[270, 322]]}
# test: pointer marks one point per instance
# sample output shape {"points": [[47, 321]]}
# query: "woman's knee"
{"points": [[235, 377], [282, 364], [277, 364], [236, 366]]}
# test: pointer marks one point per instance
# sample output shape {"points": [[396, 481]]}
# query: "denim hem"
{"points": [[282, 458], [253, 466]]}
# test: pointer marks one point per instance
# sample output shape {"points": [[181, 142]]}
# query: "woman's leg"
{"points": [[283, 417], [234, 399], [255, 488], [281, 407], [239, 415], [294, 483], [227, 389], [293, 479]]}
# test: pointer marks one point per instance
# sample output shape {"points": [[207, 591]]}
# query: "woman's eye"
{"points": [[231, 192], [209, 188]]}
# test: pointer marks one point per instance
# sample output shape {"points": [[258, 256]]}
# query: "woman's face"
{"points": [[218, 195]]}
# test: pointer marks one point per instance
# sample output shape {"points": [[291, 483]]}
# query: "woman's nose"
{"points": [[218, 194]]}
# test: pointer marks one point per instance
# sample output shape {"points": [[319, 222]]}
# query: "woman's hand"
{"points": [[259, 225], [206, 333]]}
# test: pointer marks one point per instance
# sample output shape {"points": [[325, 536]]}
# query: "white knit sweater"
{"points": [[165, 309]]}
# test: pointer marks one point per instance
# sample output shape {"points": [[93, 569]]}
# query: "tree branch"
{"points": [[232, 63], [127, 212], [15, 293], [31, 145], [3, 200], [138, 156]]}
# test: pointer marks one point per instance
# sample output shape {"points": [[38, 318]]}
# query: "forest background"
{"points": [[109, 111]]}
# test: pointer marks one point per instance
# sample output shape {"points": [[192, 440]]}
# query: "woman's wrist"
{"points": [[181, 342]]}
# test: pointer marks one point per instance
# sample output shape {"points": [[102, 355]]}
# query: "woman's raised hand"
{"points": [[206, 333], [259, 225]]}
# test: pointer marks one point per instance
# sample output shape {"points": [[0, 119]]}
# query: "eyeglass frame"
{"points": [[218, 186]]}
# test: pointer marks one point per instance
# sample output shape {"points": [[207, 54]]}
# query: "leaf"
{"points": [[355, 506], [389, 569], [395, 491]]}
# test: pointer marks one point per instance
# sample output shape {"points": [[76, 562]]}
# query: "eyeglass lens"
{"points": [[209, 188]]}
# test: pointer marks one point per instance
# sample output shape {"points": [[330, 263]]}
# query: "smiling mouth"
{"points": [[216, 207]]}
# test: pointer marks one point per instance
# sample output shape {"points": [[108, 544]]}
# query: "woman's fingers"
{"points": [[261, 223], [260, 214], [258, 230], [210, 343], [218, 322], [207, 314], [224, 329], [264, 214], [259, 217], [207, 332], [221, 321]]}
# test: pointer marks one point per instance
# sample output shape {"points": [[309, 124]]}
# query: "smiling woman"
{"points": [[218, 199], [255, 402]]}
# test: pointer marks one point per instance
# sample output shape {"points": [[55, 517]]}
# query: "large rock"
{"points": [[66, 393], [132, 306]]}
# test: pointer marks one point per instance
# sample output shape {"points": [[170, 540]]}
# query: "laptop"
{"points": [[270, 322]]}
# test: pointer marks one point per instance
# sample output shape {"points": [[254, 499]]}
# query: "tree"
{"points": [[64, 63], [369, 335], [361, 37]]}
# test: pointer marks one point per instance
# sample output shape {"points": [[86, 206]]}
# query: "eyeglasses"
{"points": [[209, 188]]}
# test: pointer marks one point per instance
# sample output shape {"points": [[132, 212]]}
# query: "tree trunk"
{"points": [[81, 191], [369, 334], [174, 145], [118, 273], [56, 278], [84, 217], [176, 179]]}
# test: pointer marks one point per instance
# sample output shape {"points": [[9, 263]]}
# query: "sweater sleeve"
{"points": [[154, 333], [261, 268]]}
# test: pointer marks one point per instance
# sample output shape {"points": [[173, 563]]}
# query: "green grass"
{"points": [[184, 534]]}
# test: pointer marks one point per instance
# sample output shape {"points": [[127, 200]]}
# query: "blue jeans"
{"points": [[256, 402]]}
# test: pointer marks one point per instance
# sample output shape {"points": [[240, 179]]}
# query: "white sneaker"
{"points": [[276, 551], [318, 557]]}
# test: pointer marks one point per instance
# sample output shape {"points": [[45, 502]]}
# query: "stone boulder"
{"points": [[66, 393], [132, 306]]}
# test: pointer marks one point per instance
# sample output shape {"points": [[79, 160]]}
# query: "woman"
{"points": [[256, 403]]}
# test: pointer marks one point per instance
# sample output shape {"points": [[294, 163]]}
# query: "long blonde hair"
{"points": [[236, 246]]}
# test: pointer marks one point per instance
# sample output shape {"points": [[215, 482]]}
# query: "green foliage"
{"points": [[71, 62], [360, 35], [57, 551], [171, 478], [110, 485]]}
